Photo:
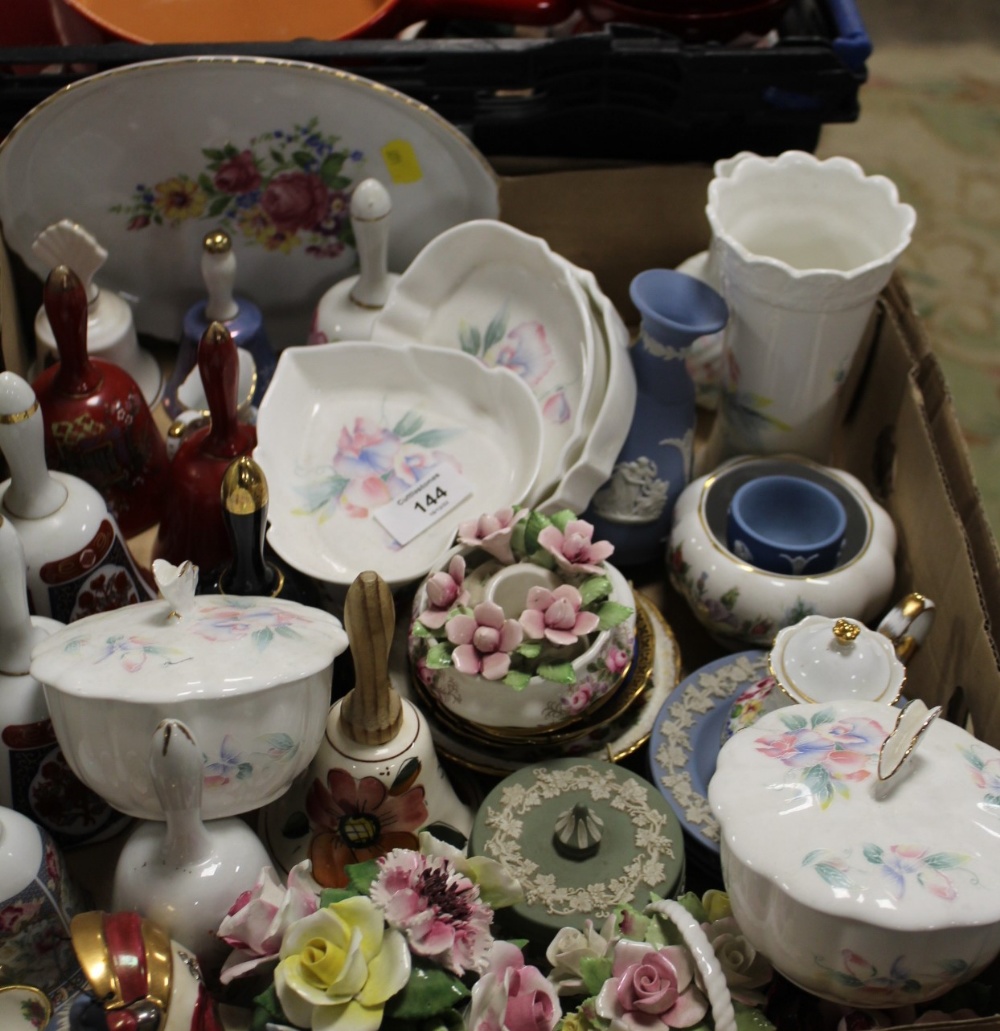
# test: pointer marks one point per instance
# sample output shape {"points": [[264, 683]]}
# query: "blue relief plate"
{"points": [[687, 735]]}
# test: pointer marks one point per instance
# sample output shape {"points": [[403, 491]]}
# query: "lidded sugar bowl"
{"points": [[859, 847], [250, 676]]}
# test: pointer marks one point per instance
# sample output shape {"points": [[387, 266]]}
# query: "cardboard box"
{"points": [[898, 433]]}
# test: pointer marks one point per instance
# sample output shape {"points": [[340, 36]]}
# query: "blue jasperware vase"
{"points": [[633, 508]]}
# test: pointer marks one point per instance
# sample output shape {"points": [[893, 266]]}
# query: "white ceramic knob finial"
{"points": [[33, 492], [347, 311], [218, 269], [371, 206]]}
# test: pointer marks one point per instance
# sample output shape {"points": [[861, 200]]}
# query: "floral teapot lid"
{"points": [[207, 646], [865, 813], [821, 659]]}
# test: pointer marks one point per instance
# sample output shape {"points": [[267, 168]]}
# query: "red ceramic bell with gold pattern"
{"points": [[98, 425], [192, 525]]}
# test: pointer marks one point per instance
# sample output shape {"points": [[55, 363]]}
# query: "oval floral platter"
{"points": [[151, 156]]}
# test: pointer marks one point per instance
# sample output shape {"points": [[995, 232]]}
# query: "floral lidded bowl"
{"points": [[859, 848], [527, 625], [251, 677]]}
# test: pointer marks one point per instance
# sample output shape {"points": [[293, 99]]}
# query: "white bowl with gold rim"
{"points": [[740, 604]]}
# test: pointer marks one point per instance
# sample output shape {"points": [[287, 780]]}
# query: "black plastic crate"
{"points": [[624, 92]]}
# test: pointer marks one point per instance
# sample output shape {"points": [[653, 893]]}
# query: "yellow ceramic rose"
{"points": [[339, 967]]}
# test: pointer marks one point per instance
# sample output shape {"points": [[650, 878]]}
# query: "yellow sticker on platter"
{"points": [[402, 162]]}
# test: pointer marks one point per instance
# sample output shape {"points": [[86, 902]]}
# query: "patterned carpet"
{"points": [[930, 120]]}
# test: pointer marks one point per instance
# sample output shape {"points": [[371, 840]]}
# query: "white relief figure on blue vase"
{"points": [[633, 508]]}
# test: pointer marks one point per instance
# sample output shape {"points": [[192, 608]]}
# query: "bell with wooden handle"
{"points": [[375, 781]]}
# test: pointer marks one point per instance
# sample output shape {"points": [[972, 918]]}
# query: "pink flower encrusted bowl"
{"points": [[525, 625]]}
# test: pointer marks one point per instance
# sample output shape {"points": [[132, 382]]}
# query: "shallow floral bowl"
{"points": [[502, 295], [375, 469], [509, 638], [740, 604], [250, 676], [863, 868]]}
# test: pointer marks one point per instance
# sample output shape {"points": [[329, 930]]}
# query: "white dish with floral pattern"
{"points": [[251, 677], [503, 296], [348, 430], [864, 882]]}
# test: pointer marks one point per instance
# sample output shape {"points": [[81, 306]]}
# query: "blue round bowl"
{"points": [[786, 524]]}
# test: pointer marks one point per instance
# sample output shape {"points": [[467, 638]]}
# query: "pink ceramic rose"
{"points": [[445, 589], [258, 919], [556, 616], [492, 533], [485, 640], [650, 988], [574, 548], [512, 996], [238, 174]]}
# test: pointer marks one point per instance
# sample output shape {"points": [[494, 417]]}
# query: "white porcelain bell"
{"points": [[77, 561], [347, 311], [35, 778], [185, 873], [111, 331]]}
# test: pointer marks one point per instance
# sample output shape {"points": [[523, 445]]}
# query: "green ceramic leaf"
{"points": [[563, 518], [419, 630], [833, 875], [750, 1019], [429, 991], [794, 722], [432, 438], [529, 649], [533, 526], [439, 656], [267, 1009], [517, 680], [594, 970], [594, 588], [361, 875], [611, 614], [262, 638], [821, 717], [330, 896], [559, 673]]}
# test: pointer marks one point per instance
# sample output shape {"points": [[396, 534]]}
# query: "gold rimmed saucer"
{"points": [[614, 704]]}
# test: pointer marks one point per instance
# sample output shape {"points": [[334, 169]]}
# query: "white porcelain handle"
{"points": [[176, 767], [371, 206], [713, 978], [17, 635], [899, 746]]}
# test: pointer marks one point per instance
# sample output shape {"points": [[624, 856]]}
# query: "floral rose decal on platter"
{"points": [[281, 190]]}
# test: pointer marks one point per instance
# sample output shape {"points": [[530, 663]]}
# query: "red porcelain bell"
{"points": [[193, 527], [98, 425]]}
